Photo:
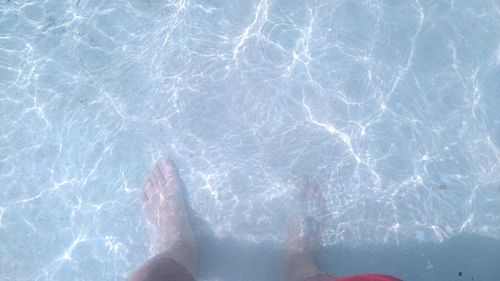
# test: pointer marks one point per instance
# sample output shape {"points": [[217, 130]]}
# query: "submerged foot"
{"points": [[303, 233], [164, 206], [305, 222], [174, 242]]}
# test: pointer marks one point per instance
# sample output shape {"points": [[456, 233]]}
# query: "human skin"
{"points": [[165, 209]]}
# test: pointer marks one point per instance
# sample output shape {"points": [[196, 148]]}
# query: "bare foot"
{"points": [[164, 206], [165, 210], [304, 224], [303, 233]]}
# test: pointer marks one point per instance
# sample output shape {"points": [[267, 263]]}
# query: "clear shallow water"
{"points": [[392, 108]]}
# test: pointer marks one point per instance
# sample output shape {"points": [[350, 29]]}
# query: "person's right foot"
{"points": [[303, 233], [304, 225]]}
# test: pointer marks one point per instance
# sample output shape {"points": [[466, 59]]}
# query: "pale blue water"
{"points": [[392, 107]]}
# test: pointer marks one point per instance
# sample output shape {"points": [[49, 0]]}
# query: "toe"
{"points": [[167, 168], [148, 190]]}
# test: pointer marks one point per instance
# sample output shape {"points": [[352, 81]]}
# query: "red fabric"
{"points": [[364, 277]]}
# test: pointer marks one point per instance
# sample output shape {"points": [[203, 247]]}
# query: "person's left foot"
{"points": [[164, 205]]}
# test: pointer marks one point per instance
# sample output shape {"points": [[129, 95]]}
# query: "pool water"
{"points": [[391, 108]]}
